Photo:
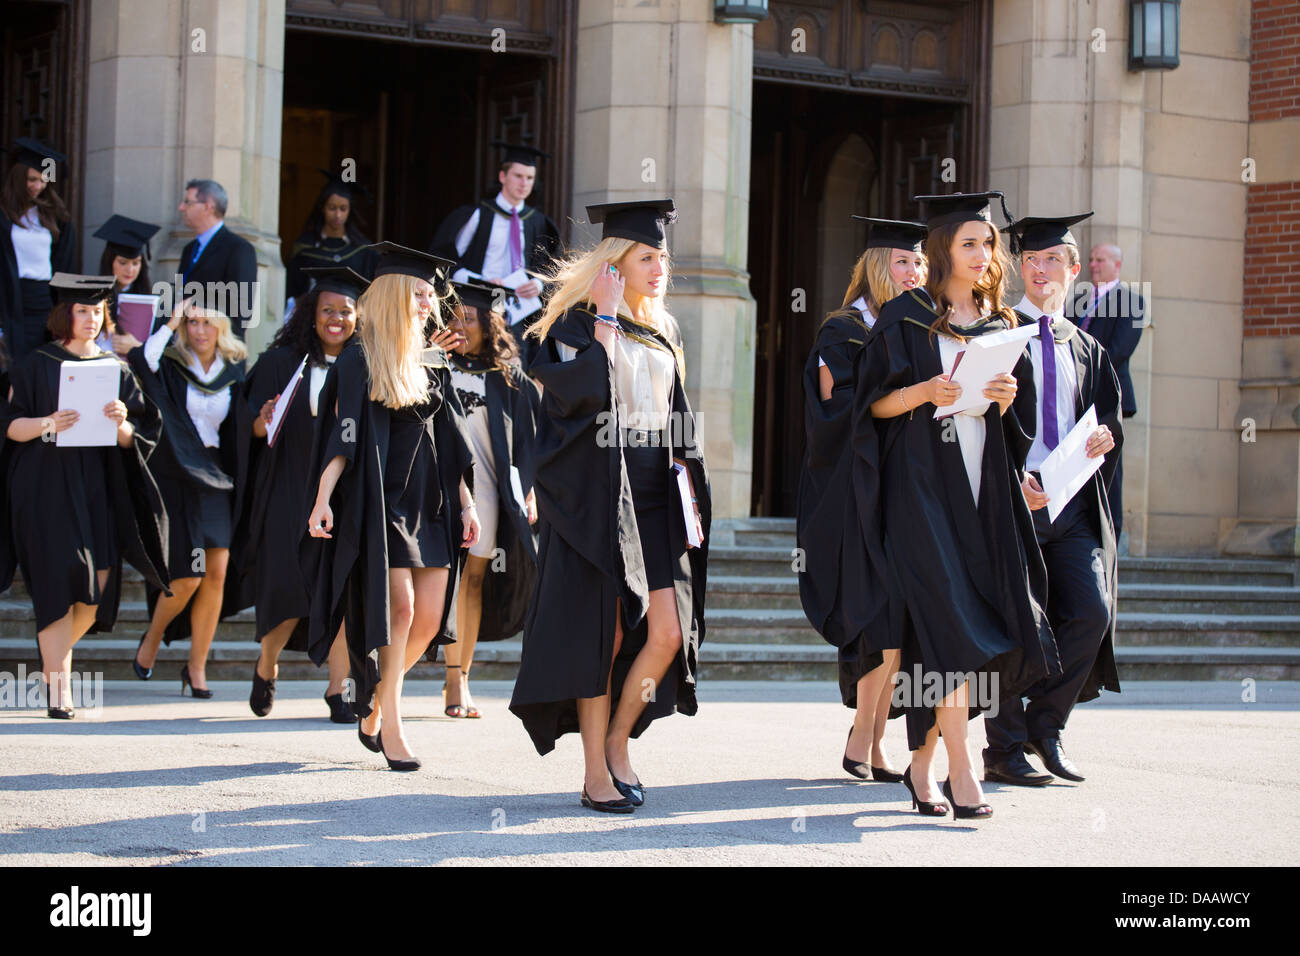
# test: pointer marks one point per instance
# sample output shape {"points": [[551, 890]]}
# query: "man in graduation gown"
{"points": [[505, 241], [1071, 374]]}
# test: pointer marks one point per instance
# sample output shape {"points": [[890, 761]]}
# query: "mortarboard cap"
{"points": [[641, 221], [399, 260], [340, 279], [964, 207], [484, 296], [33, 153], [81, 290], [894, 234], [127, 237], [1039, 232], [518, 153]]}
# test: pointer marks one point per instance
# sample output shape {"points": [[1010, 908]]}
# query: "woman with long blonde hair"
{"points": [[958, 574], [392, 460], [612, 638], [192, 368], [830, 581]]}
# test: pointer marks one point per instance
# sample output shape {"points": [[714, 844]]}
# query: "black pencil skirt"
{"points": [[653, 498]]}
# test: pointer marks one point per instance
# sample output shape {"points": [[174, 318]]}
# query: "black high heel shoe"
{"points": [[199, 693], [978, 812], [607, 806], [340, 712], [854, 768], [144, 673], [263, 696], [925, 809], [368, 741], [633, 793], [885, 776], [60, 713], [409, 763]]}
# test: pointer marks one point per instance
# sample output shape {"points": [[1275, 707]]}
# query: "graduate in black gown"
{"points": [[126, 259], [37, 239], [826, 520], [392, 505], [500, 405], [332, 236], [966, 580], [617, 621], [504, 241], [192, 368], [282, 483], [74, 514], [1078, 547]]}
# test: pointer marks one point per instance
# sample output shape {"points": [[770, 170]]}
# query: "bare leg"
{"points": [[164, 612], [878, 756], [663, 641], [952, 716], [339, 665], [273, 643], [205, 612], [430, 590], [56, 642], [593, 724], [872, 686], [468, 617], [927, 788], [392, 661]]}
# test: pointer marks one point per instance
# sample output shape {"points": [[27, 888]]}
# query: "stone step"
{"points": [[499, 661], [16, 620], [753, 591], [1210, 599]]}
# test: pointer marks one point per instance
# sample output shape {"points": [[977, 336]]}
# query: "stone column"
{"points": [[184, 90], [663, 109]]}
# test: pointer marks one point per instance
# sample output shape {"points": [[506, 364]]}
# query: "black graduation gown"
{"points": [[63, 258], [589, 555], [834, 573], [511, 412], [310, 252], [57, 497], [182, 461], [541, 238], [280, 497], [347, 573], [1099, 385], [967, 585]]}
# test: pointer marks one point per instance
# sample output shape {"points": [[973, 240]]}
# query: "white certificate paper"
{"points": [[86, 387], [1068, 467], [282, 405], [983, 359], [519, 308], [688, 507]]}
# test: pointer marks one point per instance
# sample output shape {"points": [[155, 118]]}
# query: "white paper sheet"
{"points": [[86, 387], [688, 507], [517, 490], [518, 308], [1068, 467], [983, 359], [282, 404]]}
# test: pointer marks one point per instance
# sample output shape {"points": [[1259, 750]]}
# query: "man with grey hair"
{"points": [[218, 267]]}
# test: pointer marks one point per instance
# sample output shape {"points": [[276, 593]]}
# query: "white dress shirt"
{"points": [[1067, 385], [496, 261], [643, 382], [207, 411], [317, 382], [32, 247]]}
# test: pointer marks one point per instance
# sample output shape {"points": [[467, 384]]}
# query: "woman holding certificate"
{"points": [[81, 498], [292, 370], [955, 513], [612, 638], [193, 370]]}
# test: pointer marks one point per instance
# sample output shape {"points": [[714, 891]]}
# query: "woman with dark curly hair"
{"points": [[320, 327], [500, 403], [331, 237]]}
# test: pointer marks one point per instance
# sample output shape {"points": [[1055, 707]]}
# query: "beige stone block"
{"points": [[1060, 78], [102, 32], [1117, 200], [101, 104], [149, 28], [1221, 28], [1271, 357], [703, 141], [1208, 270], [591, 163], [1116, 131], [1008, 179], [1008, 74], [272, 36], [1112, 81], [1194, 147], [1197, 207], [650, 46], [1230, 400], [1009, 137], [1208, 86], [145, 107], [1112, 16], [1151, 88], [595, 65], [1195, 338], [640, 156], [1013, 21], [1195, 474], [1055, 190], [1180, 534], [1180, 401], [1269, 470], [1275, 147], [1056, 134], [593, 13]]}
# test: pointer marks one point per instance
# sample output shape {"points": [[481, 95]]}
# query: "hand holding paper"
{"points": [[88, 388], [984, 359], [1068, 467]]}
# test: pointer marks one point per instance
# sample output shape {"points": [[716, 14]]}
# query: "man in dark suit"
{"points": [[1114, 315], [218, 267]]}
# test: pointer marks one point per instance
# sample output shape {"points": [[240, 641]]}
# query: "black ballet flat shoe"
{"points": [[340, 712], [860, 770], [199, 693], [367, 741], [1054, 758], [1015, 770], [60, 713], [409, 763], [980, 811], [882, 775], [263, 696], [144, 673], [939, 809], [634, 793], [607, 806]]}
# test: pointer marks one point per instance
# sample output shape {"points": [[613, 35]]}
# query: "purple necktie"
{"points": [[1050, 437], [516, 251]]}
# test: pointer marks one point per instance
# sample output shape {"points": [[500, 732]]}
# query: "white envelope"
{"points": [[1068, 467]]}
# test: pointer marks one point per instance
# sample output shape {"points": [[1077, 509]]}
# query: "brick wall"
{"points": [[1272, 257]]}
